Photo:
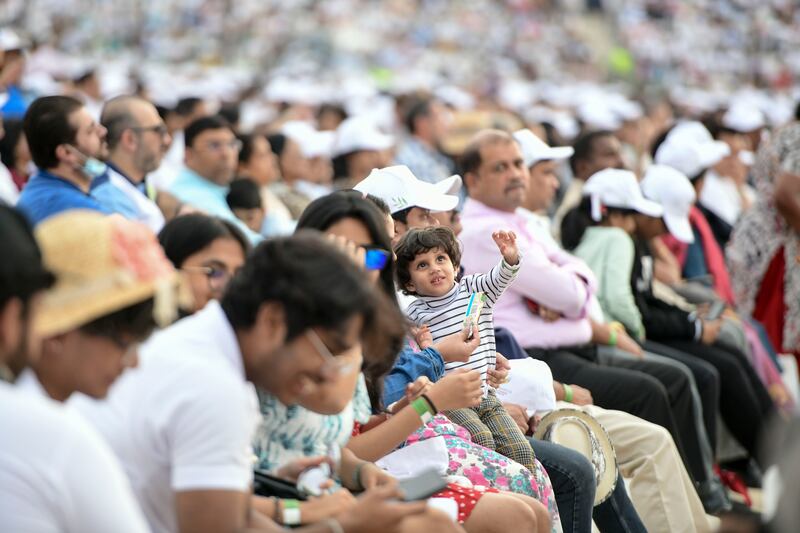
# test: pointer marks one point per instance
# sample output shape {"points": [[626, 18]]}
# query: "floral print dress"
{"points": [[487, 468]]}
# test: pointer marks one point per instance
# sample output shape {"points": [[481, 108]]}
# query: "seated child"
{"points": [[244, 199], [427, 266]]}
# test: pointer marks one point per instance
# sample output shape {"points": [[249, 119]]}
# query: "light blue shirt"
{"points": [[191, 188]]}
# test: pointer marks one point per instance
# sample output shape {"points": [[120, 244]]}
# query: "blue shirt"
{"points": [[113, 198], [16, 105], [46, 195], [193, 189], [409, 366], [695, 264]]}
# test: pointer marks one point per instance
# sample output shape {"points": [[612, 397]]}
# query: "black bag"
{"points": [[265, 484]]}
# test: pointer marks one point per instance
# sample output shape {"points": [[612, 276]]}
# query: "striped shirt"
{"points": [[445, 315]]}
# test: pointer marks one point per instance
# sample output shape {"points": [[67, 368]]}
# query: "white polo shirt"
{"points": [[57, 474], [184, 419]]}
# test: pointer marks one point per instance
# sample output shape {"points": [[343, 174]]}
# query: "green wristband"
{"points": [[291, 513], [612, 337], [567, 392], [423, 409]]}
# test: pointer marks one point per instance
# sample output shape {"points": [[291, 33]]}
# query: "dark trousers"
{"points": [[707, 379], [744, 403], [629, 388]]}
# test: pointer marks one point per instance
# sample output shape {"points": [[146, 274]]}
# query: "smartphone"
{"points": [[715, 311], [422, 486]]}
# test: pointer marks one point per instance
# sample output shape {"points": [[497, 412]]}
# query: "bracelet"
{"points": [[430, 402], [333, 525], [357, 485], [567, 392], [291, 512], [422, 408], [612, 337]]}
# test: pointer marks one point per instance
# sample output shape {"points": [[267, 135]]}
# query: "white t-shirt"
{"points": [[184, 419], [57, 474], [721, 196]]}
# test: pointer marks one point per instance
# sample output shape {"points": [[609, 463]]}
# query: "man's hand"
{"points": [[506, 242], [378, 510], [499, 374], [457, 347], [581, 396], [710, 331], [519, 414], [326, 506]]}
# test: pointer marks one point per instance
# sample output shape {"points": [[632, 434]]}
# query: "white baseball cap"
{"points": [[613, 187], [359, 133], [451, 185], [675, 193], [534, 149], [312, 143], [743, 118], [400, 189], [690, 149]]}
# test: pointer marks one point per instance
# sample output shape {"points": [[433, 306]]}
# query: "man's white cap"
{"points": [[743, 118], [675, 193], [400, 189], [312, 143], [534, 149], [451, 185], [690, 149], [358, 133], [613, 187], [10, 40]]}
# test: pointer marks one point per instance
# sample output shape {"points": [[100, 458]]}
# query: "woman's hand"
{"points": [[627, 344], [499, 374], [372, 476], [292, 470], [356, 253], [458, 347], [326, 506], [379, 510], [460, 388]]}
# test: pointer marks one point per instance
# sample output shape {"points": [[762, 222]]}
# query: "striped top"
{"points": [[445, 315]]}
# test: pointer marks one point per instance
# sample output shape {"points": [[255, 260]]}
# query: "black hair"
{"points": [[46, 125], [326, 211], [419, 107], [317, 285], [230, 112], [247, 140], [579, 218], [186, 235], [186, 106], [420, 240], [198, 126], [278, 143], [402, 215], [584, 147], [659, 141], [84, 77], [9, 142], [341, 166], [380, 204], [332, 108], [244, 193], [163, 111], [135, 321], [22, 272]]}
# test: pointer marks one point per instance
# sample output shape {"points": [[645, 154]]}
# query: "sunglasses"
{"points": [[376, 258]]}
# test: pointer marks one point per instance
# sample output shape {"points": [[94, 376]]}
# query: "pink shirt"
{"points": [[548, 275]]}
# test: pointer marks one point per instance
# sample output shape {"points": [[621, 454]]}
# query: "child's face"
{"points": [[432, 273], [252, 218]]}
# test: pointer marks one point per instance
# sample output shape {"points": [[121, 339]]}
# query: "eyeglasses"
{"points": [[158, 129], [339, 366], [217, 146], [218, 278], [375, 258]]}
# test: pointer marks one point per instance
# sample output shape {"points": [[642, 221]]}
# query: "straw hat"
{"points": [[102, 264], [581, 432]]}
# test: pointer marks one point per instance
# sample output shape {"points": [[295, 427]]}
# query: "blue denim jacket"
{"points": [[409, 366]]}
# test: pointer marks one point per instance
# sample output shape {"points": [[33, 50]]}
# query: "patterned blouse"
{"points": [[288, 433]]}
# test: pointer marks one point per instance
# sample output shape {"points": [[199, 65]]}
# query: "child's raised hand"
{"points": [[506, 242]]}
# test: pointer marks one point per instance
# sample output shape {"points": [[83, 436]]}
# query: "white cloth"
{"points": [[411, 460], [8, 189], [184, 419], [28, 383], [530, 384], [148, 212], [57, 474], [721, 196]]}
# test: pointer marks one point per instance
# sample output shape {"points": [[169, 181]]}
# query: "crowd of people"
{"points": [[234, 310]]}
